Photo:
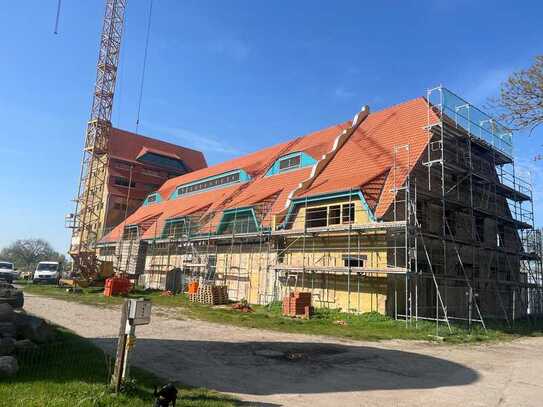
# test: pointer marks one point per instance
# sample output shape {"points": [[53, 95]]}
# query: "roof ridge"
{"points": [[339, 142]]}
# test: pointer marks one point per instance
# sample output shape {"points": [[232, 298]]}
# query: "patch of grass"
{"points": [[368, 326], [74, 372]]}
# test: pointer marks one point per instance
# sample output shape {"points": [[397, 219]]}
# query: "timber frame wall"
{"points": [[458, 242]]}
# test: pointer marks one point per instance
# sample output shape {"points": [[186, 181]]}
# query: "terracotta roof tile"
{"points": [[128, 146], [364, 162]]}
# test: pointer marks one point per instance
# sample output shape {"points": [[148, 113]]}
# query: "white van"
{"points": [[47, 272], [8, 272]]}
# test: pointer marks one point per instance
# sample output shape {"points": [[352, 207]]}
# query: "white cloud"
{"points": [[199, 141], [343, 93]]}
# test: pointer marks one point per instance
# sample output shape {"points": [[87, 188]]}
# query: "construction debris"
{"points": [[242, 306]]}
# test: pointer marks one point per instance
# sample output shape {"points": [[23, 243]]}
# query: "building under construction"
{"points": [[415, 211]]}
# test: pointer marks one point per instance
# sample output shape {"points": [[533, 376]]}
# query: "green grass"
{"points": [[73, 372], [369, 326]]}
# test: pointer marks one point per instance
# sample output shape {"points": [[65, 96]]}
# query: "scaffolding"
{"points": [[457, 244]]}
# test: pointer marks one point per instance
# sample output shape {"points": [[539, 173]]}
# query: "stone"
{"points": [[7, 330], [25, 344], [6, 313], [33, 328], [8, 366], [7, 346]]}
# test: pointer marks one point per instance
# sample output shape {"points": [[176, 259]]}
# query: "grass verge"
{"points": [[369, 326], [74, 372]]}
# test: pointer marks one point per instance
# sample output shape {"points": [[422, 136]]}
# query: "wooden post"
{"points": [[116, 379]]}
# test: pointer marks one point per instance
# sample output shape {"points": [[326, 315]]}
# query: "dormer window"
{"points": [[174, 228], [218, 181], [152, 198], [163, 161], [290, 163]]}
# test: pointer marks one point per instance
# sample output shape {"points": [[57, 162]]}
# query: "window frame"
{"points": [[298, 164], [129, 184], [229, 178], [173, 223]]}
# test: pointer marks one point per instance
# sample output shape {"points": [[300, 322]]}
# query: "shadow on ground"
{"points": [[266, 368]]}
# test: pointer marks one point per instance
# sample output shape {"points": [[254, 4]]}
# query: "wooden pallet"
{"points": [[210, 294]]}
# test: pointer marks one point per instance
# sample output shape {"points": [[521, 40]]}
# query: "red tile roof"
{"points": [[128, 146], [369, 152], [365, 162]]}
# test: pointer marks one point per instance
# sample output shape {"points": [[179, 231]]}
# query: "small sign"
{"points": [[139, 312]]}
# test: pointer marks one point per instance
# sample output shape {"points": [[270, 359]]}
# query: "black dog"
{"points": [[166, 395]]}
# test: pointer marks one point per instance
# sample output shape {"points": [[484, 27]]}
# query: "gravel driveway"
{"points": [[276, 369]]}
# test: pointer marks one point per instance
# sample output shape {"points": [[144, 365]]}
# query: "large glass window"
{"points": [[347, 213], [174, 229], [124, 182], [130, 232], [330, 215], [163, 161], [208, 184], [316, 217], [242, 221]]}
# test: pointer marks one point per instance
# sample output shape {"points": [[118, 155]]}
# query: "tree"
{"points": [[27, 253], [520, 102]]}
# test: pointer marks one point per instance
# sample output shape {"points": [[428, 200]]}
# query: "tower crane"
{"points": [[87, 220]]}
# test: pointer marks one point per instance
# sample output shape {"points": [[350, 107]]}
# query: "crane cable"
{"points": [[57, 18], [144, 64]]}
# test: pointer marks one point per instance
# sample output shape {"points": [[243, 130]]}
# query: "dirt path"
{"points": [[276, 369]]}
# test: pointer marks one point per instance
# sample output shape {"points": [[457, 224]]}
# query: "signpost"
{"points": [[133, 313]]}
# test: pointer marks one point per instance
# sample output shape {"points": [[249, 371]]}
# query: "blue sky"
{"points": [[230, 77]]}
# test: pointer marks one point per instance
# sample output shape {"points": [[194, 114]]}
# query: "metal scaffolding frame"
{"points": [[413, 264]]}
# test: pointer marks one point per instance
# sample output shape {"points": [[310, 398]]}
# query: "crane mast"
{"points": [[88, 218]]}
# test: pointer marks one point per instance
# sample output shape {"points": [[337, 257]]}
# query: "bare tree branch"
{"points": [[520, 103]]}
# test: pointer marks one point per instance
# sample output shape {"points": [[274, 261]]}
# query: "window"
{"points": [[242, 221], [210, 183], [107, 251], [124, 182], [174, 229], [130, 232], [334, 215], [315, 217], [290, 163], [354, 261], [347, 213], [163, 161], [329, 215], [151, 198]]}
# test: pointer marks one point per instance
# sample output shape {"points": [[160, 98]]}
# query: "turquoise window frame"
{"points": [[157, 200], [305, 161], [168, 222], [243, 177], [230, 214], [327, 197]]}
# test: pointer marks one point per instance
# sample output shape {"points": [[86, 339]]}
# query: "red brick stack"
{"points": [[297, 304]]}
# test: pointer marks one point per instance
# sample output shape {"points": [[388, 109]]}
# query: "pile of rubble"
{"points": [[19, 332]]}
